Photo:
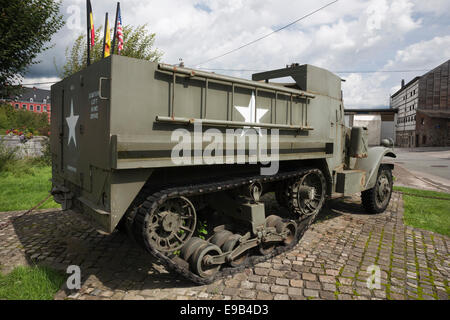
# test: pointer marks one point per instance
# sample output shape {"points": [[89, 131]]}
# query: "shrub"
{"points": [[46, 158], [7, 155], [36, 123]]}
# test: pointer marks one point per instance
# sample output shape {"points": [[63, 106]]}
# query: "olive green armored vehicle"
{"points": [[180, 159]]}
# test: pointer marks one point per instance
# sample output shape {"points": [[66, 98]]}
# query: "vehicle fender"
{"points": [[372, 163]]}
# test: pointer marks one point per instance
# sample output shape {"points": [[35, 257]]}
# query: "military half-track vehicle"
{"points": [[165, 154]]}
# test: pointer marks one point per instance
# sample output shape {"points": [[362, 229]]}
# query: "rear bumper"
{"points": [[70, 200]]}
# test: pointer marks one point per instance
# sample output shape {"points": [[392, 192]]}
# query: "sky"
{"points": [[349, 37]]}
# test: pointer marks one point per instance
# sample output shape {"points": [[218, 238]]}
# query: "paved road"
{"points": [[432, 165], [330, 261]]}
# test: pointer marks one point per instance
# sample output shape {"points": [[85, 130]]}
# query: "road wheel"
{"points": [[376, 199], [165, 223], [306, 195], [267, 247], [231, 244], [199, 260]]}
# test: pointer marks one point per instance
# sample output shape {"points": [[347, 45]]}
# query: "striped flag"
{"points": [[91, 23], [107, 40], [119, 31]]}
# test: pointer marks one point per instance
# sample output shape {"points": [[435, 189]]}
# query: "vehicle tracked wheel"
{"points": [[191, 246], [376, 199], [231, 244], [199, 260], [306, 196], [290, 228], [267, 247], [168, 223], [220, 237]]}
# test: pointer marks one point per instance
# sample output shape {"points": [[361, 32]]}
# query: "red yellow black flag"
{"points": [[91, 23], [107, 39]]}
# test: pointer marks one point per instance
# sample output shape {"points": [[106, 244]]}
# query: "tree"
{"points": [[138, 43], [35, 122], [25, 28]]}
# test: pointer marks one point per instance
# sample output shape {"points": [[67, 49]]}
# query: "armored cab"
{"points": [[168, 153]]}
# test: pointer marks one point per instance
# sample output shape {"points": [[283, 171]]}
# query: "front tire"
{"points": [[376, 199]]}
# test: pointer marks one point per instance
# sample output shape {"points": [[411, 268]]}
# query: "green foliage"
{"points": [[138, 43], [7, 155], [202, 229], [35, 122], [25, 28], [30, 283], [426, 213], [25, 177], [46, 158], [427, 193]]}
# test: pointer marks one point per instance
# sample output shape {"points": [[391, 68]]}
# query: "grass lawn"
{"points": [[30, 283], [426, 213], [23, 184]]}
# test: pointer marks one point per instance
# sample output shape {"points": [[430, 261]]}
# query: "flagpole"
{"points": [[88, 33], [115, 28], [104, 35]]}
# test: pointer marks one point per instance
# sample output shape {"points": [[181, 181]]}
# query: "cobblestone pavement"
{"points": [[330, 262]]}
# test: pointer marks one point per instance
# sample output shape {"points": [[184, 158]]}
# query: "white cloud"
{"points": [[423, 54], [436, 7], [40, 82], [365, 90]]}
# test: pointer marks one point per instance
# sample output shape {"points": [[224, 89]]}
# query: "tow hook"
{"points": [[63, 196]]}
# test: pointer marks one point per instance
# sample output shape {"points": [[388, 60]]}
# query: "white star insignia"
{"points": [[252, 114], [72, 122]]}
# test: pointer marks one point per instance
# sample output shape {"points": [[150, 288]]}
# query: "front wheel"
{"points": [[376, 199]]}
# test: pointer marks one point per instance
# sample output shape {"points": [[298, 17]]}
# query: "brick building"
{"points": [[423, 106], [31, 99]]}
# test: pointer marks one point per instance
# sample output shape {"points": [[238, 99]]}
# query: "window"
{"points": [[422, 122], [38, 108], [16, 106], [31, 99], [24, 107], [45, 108], [45, 101], [31, 107]]}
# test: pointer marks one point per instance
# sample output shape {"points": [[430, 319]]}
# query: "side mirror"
{"points": [[388, 143]]}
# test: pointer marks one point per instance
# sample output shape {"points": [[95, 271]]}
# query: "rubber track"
{"points": [[194, 190]]}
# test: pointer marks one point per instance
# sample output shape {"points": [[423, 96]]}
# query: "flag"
{"points": [[91, 23], [107, 41], [119, 33]]}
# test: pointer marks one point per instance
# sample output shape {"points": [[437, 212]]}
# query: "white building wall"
{"points": [[406, 102], [372, 123]]}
